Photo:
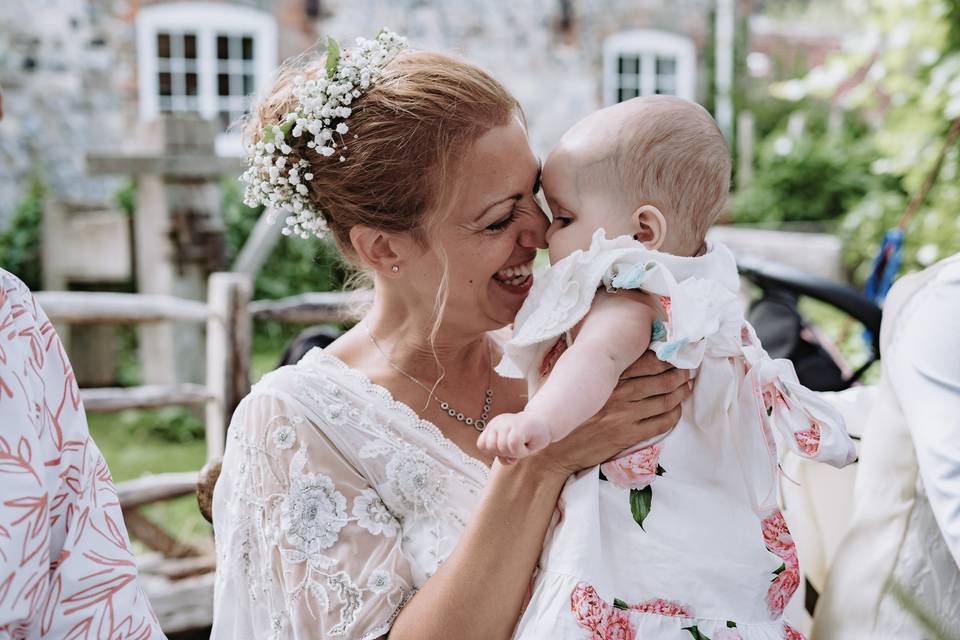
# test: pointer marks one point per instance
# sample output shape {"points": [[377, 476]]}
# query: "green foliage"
{"points": [[909, 57], [20, 244], [817, 177]]}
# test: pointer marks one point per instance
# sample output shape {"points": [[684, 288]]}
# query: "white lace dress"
{"points": [[681, 539], [335, 503]]}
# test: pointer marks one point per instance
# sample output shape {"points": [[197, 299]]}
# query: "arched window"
{"points": [[204, 58], [644, 63]]}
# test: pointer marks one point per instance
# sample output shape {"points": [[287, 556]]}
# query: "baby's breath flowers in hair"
{"points": [[277, 180]]}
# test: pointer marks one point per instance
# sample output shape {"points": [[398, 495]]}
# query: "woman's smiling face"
{"points": [[490, 235]]}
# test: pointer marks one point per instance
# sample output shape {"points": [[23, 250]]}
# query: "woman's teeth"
{"points": [[514, 276]]}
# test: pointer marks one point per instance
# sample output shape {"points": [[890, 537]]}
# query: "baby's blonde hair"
{"points": [[671, 154]]}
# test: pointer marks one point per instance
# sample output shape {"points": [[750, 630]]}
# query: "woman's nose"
{"points": [[534, 235]]}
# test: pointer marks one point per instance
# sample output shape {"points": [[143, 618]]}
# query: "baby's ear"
{"points": [[650, 227]]}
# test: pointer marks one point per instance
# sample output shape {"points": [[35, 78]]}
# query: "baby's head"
{"points": [[656, 168]]}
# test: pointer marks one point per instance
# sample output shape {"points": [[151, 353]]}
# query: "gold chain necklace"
{"points": [[477, 423]]}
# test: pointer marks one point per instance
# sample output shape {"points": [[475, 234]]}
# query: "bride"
{"points": [[353, 500]]}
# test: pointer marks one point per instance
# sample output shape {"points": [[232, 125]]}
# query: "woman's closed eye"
{"points": [[503, 223]]}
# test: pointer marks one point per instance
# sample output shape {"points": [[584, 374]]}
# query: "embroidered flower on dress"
{"points": [[664, 608], [372, 514], [634, 471], [588, 607], [777, 538], [284, 436], [781, 590], [313, 513], [415, 481], [616, 626], [809, 440], [380, 581]]}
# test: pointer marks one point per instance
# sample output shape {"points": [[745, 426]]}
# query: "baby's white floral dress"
{"points": [[681, 538]]}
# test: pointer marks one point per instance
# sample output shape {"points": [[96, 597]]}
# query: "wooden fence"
{"points": [[178, 577]]}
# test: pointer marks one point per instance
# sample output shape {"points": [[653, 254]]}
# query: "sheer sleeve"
{"points": [[305, 547], [923, 363]]}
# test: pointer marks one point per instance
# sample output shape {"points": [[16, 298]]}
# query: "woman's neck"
{"points": [[407, 341]]}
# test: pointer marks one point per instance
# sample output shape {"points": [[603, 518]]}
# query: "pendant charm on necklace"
{"points": [[480, 423]]}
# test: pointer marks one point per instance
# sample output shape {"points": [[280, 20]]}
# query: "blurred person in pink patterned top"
{"points": [[67, 569]]}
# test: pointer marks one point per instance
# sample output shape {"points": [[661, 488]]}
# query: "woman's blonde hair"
{"points": [[407, 131]]}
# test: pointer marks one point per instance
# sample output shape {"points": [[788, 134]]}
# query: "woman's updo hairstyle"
{"points": [[406, 133]]}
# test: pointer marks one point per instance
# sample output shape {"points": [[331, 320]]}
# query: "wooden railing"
{"points": [[179, 578]]}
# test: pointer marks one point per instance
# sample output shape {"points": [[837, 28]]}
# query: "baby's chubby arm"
{"points": [[614, 333]]}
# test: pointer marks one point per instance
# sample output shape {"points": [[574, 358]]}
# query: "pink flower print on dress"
{"points": [[588, 608], [789, 633], [809, 440], [550, 359], [664, 608], [774, 398], [776, 535], [781, 590], [616, 626], [634, 471]]}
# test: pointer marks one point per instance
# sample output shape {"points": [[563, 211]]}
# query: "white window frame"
{"points": [[206, 20], [648, 45]]}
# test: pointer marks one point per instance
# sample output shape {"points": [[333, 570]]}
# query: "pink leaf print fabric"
{"points": [[66, 566], [634, 471]]}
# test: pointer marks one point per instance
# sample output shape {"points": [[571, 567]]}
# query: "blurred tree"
{"points": [[904, 73]]}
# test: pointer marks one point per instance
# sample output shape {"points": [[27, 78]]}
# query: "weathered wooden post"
{"points": [[228, 353], [101, 258], [178, 231]]}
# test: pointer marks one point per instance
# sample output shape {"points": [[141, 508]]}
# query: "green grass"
{"points": [[132, 446], [137, 443]]}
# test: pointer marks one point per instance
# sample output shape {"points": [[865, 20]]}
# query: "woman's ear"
{"points": [[650, 227], [382, 252]]}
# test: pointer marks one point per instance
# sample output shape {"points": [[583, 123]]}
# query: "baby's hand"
{"points": [[514, 435]]}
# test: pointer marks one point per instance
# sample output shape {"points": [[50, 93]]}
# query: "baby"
{"points": [[682, 537]]}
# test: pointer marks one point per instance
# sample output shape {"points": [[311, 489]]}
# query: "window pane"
{"points": [[191, 88], [666, 66], [165, 84], [163, 45], [190, 46], [247, 48], [223, 84], [248, 85], [629, 64], [223, 48]]}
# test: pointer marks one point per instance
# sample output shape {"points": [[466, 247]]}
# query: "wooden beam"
{"points": [[312, 308], [228, 353], [155, 488], [156, 537], [82, 307], [258, 246], [107, 399], [180, 605], [198, 166]]}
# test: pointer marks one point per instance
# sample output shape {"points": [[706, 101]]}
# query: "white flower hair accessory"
{"points": [[323, 105]]}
